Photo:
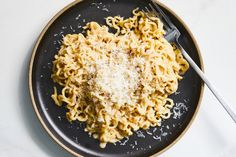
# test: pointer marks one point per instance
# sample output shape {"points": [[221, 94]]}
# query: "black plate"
{"points": [[72, 136]]}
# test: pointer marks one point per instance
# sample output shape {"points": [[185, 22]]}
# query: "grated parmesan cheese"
{"points": [[117, 78]]}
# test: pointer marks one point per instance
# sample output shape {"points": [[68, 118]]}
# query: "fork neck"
{"points": [[172, 35]]}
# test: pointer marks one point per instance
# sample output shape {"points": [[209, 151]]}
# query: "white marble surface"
{"points": [[212, 22]]}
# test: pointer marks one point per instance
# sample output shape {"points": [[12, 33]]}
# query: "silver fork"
{"points": [[172, 35]]}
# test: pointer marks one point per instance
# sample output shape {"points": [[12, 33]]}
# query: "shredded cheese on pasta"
{"points": [[118, 83]]}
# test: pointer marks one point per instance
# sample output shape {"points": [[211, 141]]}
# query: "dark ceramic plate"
{"points": [[72, 136]]}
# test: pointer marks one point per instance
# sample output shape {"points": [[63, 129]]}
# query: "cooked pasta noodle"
{"points": [[118, 83]]}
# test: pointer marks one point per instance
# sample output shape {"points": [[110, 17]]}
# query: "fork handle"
{"points": [[209, 85]]}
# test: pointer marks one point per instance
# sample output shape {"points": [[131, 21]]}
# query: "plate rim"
{"points": [[42, 33]]}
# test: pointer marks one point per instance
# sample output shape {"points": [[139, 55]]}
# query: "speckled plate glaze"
{"points": [[72, 137]]}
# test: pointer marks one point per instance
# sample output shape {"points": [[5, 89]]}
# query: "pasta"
{"points": [[118, 82]]}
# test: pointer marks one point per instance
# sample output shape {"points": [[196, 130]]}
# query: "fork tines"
{"points": [[171, 31], [162, 14]]}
